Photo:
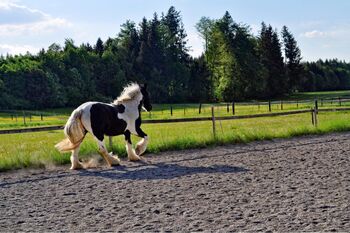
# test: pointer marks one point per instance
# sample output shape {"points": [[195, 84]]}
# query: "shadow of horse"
{"points": [[143, 171], [159, 171]]}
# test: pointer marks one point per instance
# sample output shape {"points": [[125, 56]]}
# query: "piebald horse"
{"points": [[123, 116]]}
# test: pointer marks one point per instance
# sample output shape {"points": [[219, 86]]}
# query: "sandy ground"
{"points": [[300, 184]]}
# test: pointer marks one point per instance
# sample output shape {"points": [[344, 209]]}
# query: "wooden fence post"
{"points": [[200, 109], [41, 116], [171, 110], [110, 142], [339, 101], [312, 117], [297, 104], [24, 118], [315, 116], [281, 105], [233, 108], [316, 106], [228, 107], [213, 120], [269, 106]]}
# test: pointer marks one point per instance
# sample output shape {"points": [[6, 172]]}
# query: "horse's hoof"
{"points": [[135, 158], [115, 161], [137, 150], [77, 166]]}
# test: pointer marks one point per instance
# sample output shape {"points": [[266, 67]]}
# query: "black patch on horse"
{"points": [[120, 108], [105, 121], [138, 123], [127, 135]]}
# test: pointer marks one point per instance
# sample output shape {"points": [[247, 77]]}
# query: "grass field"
{"points": [[320, 95], [37, 149], [163, 111]]}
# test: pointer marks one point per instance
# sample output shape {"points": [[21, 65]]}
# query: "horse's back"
{"points": [[102, 119]]}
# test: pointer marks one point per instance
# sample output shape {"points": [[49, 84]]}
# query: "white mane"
{"points": [[130, 92]]}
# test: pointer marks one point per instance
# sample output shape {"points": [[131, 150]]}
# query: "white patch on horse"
{"points": [[85, 118], [130, 98]]}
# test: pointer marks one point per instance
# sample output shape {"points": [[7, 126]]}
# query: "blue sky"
{"points": [[322, 28]]}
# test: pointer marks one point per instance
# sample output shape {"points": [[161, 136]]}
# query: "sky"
{"points": [[321, 27]]}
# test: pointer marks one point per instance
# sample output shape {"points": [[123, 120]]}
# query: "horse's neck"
{"points": [[132, 108]]}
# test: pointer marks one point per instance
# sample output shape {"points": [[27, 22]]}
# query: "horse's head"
{"points": [[145, 97]]}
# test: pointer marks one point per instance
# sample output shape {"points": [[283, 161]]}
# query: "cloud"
{"points": [[17, 49], [339, 32], [314, 34], [18, 20]]}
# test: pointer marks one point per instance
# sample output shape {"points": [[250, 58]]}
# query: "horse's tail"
{"points": [[74, 131]]}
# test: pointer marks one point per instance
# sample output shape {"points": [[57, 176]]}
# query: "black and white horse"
{"points": [[123, 116]]}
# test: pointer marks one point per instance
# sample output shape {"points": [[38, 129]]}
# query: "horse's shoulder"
{"points": [[120, 108]]}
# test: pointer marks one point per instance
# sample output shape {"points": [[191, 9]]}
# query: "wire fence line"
{"points": [[314, 111], [331, 101]]}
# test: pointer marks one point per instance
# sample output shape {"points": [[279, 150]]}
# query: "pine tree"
{"points": [[143, 64], [175, 35], [272, 60], [292, 55], [176, 70], [99, 48]]}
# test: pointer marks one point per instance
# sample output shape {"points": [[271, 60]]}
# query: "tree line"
{"points": [[236, 65]]}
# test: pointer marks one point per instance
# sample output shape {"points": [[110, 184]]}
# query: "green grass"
{"points": [[320, 94], [162, 111], [37, 149]]}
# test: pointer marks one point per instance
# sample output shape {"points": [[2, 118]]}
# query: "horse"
{"points": [[122, 116]]}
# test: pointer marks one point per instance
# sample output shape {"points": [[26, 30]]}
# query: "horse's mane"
{"points": [[130, 92]]}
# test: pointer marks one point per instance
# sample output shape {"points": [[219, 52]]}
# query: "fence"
{"points": [[314, 111], [31, 118], [241, 108]]}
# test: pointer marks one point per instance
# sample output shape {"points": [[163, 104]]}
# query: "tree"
{"points": [[294, 69], [199, 82], [175, 35], [99, 48], [204, 27], [128, 47], [272, 60], [176, 70]]}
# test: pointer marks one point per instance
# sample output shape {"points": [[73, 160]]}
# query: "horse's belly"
{"points": [[117, 128]]}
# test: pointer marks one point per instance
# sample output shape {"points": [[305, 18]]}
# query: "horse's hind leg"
{"points": [[111, 160], [76, 164]]}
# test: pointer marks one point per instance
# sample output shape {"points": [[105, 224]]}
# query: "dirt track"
{"points": [[302, 184]]}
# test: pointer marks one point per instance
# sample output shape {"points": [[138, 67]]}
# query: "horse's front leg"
{"points": [[141, 146], [132, 156]]}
